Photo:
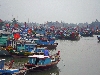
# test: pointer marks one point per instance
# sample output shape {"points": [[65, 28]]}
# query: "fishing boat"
{"points": [[49, 46], [72, 36], [20, 47], [4, 35], [20, 54], [86, 33], [39, 61], [4, 53], [7, 69], [97, 32], [45, 42]]}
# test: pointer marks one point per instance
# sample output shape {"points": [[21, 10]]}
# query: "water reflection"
{"points": [[53, 71]]}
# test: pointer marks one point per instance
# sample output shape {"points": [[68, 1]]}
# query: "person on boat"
{"points": [[46, 52]]}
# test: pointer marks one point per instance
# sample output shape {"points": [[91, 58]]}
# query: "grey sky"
{"points": [[40, 11]]}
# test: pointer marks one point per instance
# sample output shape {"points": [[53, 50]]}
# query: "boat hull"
{"points": [[4, 53], [33, 67], [48, 46], [19, 56], [86, 34]]}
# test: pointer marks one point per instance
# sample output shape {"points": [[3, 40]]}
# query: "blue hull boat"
{"points": [[41, 60]]}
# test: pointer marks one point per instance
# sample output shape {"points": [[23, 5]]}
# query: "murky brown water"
{"points": [[77, 58]]}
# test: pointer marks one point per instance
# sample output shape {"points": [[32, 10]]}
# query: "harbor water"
{"points": [[80, 57]]}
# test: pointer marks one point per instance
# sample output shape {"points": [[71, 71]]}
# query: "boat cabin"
{"points": [[40, 57], [29, 47], [20, 46], [41, 49], [3, 37], [39, 60]]}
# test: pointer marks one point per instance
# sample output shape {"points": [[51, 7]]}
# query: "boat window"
{"points": [[31, 46], [44, 40], [39, 50], [5, 34], [19, 45], [22, 44]]}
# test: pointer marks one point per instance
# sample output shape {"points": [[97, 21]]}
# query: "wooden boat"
{"points": [[7, 69], [50, 47], [41, 62], [21, 50], [49, 43], [3, 37], [86, 33], [52, 71], [97, 32], [73, 36], [19, 54]]}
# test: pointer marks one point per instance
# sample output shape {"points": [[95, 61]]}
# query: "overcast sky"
{"points": [[41, 11]]}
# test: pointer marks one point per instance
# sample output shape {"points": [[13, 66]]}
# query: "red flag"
{"points": [[7, 25], [16, 36], [16, 25], [30, 31]]}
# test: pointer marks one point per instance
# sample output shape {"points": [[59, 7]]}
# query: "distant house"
{"points": [[1, 24], [95, 24]]}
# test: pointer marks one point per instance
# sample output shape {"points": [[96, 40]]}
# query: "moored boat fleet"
{"points": [[35, 43]]}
